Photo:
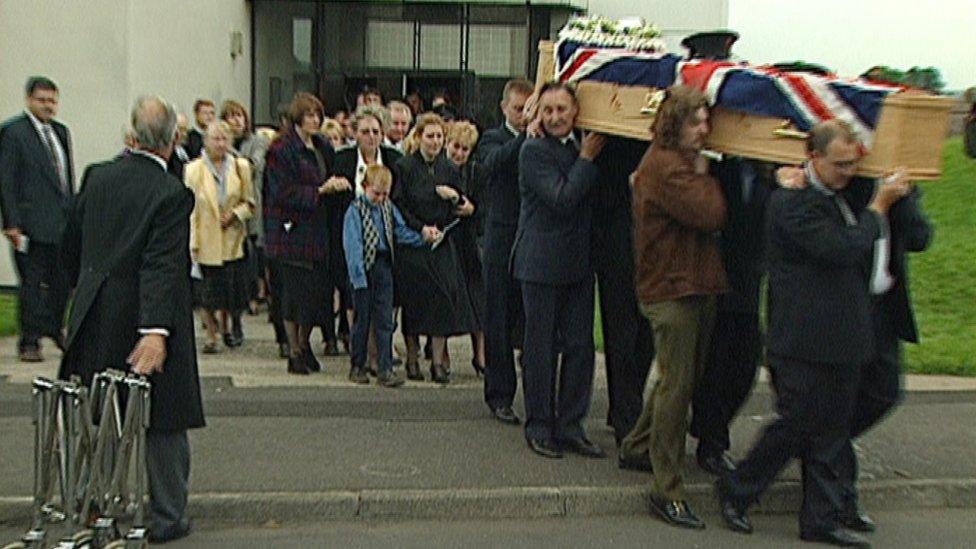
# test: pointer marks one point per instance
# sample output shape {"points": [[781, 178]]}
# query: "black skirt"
{"points": [[306, 296], [225, 288], [433, 291], [469, 255]]}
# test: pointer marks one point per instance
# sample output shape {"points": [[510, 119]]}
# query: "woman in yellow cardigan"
{"points": [[224, 203]]}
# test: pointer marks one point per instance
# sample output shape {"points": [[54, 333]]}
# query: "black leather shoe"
{"points": [[413, 371], [837, 536], [283, 350], [171, 534], [734, 515], [544, 447], [505, 414], [439, 375], [296, 365], [635, 463], [311, 362], [583, 447], [716, 464], [855, 520], [676, 513]]}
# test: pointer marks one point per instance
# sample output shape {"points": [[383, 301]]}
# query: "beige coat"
{"points": [[209, 244]]}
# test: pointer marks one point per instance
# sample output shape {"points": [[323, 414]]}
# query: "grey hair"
{"points": [[153, 122], [379, 113]]}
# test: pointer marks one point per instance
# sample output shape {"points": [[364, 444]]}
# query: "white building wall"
{"points": [[105, 53], [676, 19]]}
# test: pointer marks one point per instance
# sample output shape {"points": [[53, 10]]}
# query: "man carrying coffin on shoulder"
{"points": [[551, 259]]}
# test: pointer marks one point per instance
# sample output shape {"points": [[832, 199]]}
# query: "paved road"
{"points": [[929, 529]]}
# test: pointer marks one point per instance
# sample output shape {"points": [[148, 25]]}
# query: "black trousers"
{"points": [[814, 402], [878, 392], [503, 317], [730, 373], [628, 342], [557, 397], [43, 293]]}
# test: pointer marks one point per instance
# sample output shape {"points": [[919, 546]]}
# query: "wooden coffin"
{"points": [[910, 131]]}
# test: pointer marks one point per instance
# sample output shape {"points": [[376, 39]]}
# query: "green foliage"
{"points": [[8, 314], [925, 78]]}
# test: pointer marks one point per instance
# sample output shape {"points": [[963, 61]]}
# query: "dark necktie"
{"points": [[58, 168]]}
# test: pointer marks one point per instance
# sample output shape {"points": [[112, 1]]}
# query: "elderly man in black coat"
{"points": [[127, 255]]}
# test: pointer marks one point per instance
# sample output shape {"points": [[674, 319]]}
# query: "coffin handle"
{"points": [[787, 131]]}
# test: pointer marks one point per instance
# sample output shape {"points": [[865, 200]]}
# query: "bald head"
{"points": [[154, 125]]}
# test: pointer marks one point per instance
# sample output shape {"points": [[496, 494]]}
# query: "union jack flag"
{"points": [[806, 99]]}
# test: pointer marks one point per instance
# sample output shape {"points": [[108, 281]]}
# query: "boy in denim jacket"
{"points": [[370, 231]]}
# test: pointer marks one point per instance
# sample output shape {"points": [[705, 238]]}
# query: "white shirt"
{"points": [[361, 166], [511, 128], [43, 130]]}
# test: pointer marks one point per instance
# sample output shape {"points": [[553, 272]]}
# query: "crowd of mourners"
{"points": [[285, 216]]}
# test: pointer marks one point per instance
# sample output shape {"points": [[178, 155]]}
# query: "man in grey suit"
{"points": [[36, 175], [551, 259]]}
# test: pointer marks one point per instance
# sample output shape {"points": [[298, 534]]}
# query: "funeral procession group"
{"points": [[404, 213]]}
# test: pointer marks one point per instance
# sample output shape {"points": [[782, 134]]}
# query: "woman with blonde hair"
{"points": [[332, 130], [461, 140], [435, 298], [224, 196]]}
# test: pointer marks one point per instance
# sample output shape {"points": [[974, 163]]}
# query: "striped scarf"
{"points": [[371, 237]]}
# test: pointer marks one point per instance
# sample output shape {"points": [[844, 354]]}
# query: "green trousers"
{"points": [[682, 329]]}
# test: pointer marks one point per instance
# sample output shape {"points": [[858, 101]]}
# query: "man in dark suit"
{"points": [[36, 190], [820, 335], [551, 259], [879, 389], [499, 150], [628, 347], [126, 253], [735, 347], [204, 113]]}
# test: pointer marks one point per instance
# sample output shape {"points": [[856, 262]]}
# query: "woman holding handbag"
{"points": [[224, 202]]}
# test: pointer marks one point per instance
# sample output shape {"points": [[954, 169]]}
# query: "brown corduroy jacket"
{"points": [[676, 215]]}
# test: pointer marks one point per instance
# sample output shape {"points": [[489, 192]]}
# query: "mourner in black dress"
{"points": [[437, 303], [461, 140]]}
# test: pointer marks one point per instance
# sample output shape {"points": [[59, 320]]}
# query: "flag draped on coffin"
{"points": [[804, 98]]}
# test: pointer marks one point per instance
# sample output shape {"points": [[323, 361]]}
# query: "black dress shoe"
{"points": [[413, 371], [855, 520], [505, 414], [716, 464], [634, 463], [311, 362], [172, 534], [837, 536], [297, 365], [583, 447], [439, 375], [544, 447], [733, 514], [676, 513], [283, 350]]}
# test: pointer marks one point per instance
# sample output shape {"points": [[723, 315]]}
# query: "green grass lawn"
{"points": [[8, 314], [943, 279]]}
